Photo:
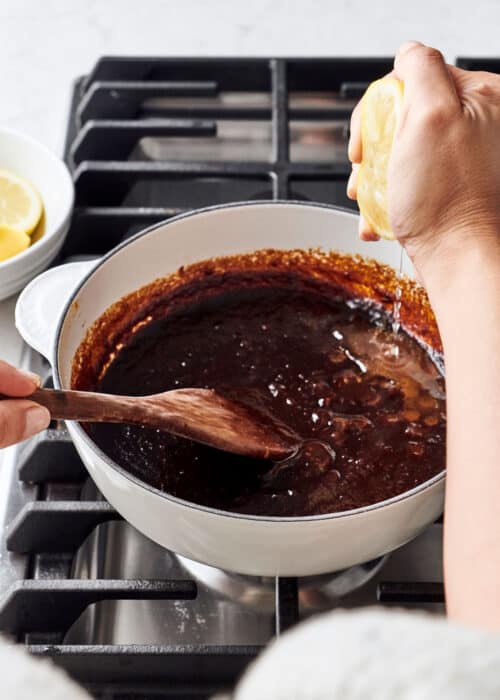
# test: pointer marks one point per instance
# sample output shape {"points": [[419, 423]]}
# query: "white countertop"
{"points": [[45, 45]]}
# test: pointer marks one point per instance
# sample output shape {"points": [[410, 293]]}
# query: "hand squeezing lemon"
{"points": [[20, 212], [380, 110]]}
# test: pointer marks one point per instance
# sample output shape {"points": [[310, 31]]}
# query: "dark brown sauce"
{"points": [[368, 404]]}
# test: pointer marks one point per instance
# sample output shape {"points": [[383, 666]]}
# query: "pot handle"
{"points": [[41, 304]]}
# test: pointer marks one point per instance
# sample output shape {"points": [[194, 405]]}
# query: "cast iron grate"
{"points": [[492, 65], [123, 102]]}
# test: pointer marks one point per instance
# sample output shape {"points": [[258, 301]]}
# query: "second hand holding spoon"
{"points": [[201, 415]]}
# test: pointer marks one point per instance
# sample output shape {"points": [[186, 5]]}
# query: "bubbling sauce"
{"points": [[367, 403]]}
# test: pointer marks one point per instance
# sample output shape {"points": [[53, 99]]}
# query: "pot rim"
{"points": [[83, 435]]}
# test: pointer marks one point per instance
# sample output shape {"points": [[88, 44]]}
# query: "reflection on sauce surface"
{"points": [[368, 403]]}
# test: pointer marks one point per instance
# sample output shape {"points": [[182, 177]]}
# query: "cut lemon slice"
{"points": [[380, 111], [20, 203], [12, 242]]}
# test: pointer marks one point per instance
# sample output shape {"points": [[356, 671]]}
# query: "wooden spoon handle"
{"points": [[86, 405], [196, 414]]}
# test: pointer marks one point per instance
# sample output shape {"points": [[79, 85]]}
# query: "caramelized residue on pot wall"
{"points": [[353, 275]]}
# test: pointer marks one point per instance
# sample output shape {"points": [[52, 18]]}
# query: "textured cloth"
{"points": [[23, 677], [377, 655]]}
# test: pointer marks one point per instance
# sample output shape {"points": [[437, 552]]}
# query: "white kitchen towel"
{"points": [[23, 677], [377, 654]]}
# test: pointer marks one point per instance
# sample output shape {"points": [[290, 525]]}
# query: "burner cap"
{"points": [[258, 592]]}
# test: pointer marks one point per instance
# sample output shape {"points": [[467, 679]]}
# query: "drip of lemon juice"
{"points": [[396, 309]]}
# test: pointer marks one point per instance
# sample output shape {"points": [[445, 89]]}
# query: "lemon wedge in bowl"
{"points": [[380, 111], [20, 203], [12, 242]]}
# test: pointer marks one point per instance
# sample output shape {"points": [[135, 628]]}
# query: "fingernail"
{"points": [[36, 418], [31, 376], [407, 45]]}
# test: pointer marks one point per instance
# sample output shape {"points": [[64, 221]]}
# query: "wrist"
{"points": [[459, 265]]}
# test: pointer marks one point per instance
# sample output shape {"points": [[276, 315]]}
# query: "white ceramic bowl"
{"points": [[29, 159]]}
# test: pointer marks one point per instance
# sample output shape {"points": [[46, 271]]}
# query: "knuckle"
{"points": [[428, 53], [436, 115], [487, 84], [420, 57]]}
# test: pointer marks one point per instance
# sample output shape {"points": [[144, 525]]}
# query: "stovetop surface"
{"points": [[149, 138]]}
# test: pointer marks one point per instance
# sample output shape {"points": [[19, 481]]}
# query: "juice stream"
{"points": [[396, 308], [396, 323]]}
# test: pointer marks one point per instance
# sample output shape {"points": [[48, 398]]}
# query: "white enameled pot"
{"points": [[55, 311]]}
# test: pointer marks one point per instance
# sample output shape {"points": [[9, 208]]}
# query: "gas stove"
{"points": [[147, 139]]}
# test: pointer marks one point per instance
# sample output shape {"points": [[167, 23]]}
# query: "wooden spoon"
{"points": [[201, 415]]}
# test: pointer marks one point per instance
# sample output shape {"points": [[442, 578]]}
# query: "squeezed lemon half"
{"points": [[380, 111]]}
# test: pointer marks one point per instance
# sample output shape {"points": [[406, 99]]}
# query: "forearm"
{"points": [[466, 301]]}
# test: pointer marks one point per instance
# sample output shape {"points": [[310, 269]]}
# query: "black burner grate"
{"points": [[119, 112], [491, 65], [125, 101]]}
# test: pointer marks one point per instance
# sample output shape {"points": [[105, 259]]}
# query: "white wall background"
{"points": [[44, 44]]}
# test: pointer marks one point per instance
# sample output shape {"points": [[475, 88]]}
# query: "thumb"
{"points": [[20, 419]]}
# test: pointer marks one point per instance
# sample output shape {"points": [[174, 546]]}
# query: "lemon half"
{"points": [[380, 111], [12, 242], [20, 203]]}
